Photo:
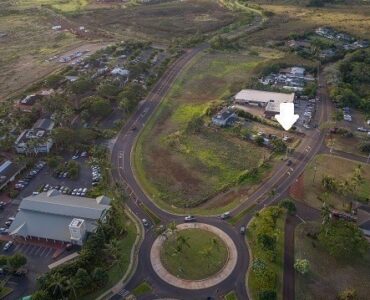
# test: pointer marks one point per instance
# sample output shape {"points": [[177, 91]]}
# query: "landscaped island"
{"points": [[194, 254]]}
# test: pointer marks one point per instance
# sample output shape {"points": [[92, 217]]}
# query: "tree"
{"points": [[267, 242], [182, 241], [302, 266], [259, 140], [195, 125], [343, 239], [100, 277], [64, 137], [16, 261], [82, 278], [82, 85], [289, 205], [98, 107], [278, 145], [109, 89], [349, 294], [329, 183], [41, 295], [71, 286], [267, 295], [172, 227], [56, 285], [3, 260]]}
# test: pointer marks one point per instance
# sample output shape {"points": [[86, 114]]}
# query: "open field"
{"points": [[340, 169], [203, 254], [327, 276], [29, 41], [160, 21], [288, 19], [184, 169]]}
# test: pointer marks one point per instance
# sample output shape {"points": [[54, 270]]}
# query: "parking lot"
{"points": [[45, 180], [306, 110]]}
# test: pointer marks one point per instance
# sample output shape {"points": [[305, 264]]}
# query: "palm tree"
{"points": [[71, 287], [182, 241], [325, 213], [113, 250], [172, 227], [206, 253], [215, 244], [57, 284]]}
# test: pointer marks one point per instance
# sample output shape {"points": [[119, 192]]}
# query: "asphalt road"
{"points": [[283, 177]]}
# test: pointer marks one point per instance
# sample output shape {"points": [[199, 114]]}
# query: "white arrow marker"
{"points": [[286, 118]]}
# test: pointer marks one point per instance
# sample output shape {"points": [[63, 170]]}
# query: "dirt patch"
{"points": [[296, 191]]}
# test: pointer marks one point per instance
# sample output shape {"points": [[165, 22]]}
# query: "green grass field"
{"points": [[183, 169], [204, 254], [62, 5], [269, 277], [339, 168], [327, 276]]}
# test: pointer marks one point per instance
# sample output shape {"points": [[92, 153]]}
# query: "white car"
{"points": [[8, 245], [189, 219]]}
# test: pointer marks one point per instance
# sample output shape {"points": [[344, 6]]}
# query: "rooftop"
{"points": [[264, 97]]}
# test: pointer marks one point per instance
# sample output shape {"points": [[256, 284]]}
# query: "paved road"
{"points": [[280, 181]]}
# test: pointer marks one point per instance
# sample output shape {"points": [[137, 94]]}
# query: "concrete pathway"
{"points": [[195, 284]]}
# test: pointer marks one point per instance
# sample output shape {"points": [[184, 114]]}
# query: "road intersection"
{"points": [[280, 181]]}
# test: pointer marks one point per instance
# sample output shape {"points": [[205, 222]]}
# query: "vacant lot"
{"points": [[162, 21], [327, 276], [288, 19], [186, 169], [28, 40], [339, 168]]}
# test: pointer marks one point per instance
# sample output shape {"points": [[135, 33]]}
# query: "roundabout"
{"points": [[211, 260]]}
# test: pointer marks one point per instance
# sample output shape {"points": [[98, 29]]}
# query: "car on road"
{"points": [[189, 219], [225, 215], [242, 230], [362, 129], [4, 230], [8, 223], [145, 223], [289, 163], [8, 245]]}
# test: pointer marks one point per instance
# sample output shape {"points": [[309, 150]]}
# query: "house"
{"points": [[120, 72], [8, 171], [37, 139], [224, 118], [54, 216], [269, 100], [363, 219]]}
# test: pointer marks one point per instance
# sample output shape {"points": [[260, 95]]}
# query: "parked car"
{"points": [[8, 245], [189, 219]]}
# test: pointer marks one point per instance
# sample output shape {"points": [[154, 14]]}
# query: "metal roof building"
{"points": [[49, 215]]}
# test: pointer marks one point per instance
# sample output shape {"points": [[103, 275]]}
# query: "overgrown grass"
{"points": [[327, 276], [184, 169], [266, 273], [339, 168]]}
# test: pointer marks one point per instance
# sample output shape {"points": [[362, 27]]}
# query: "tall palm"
{"points": [[112, 249], [206, 253], [71, 286], [57, 284], [172, 227]]}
